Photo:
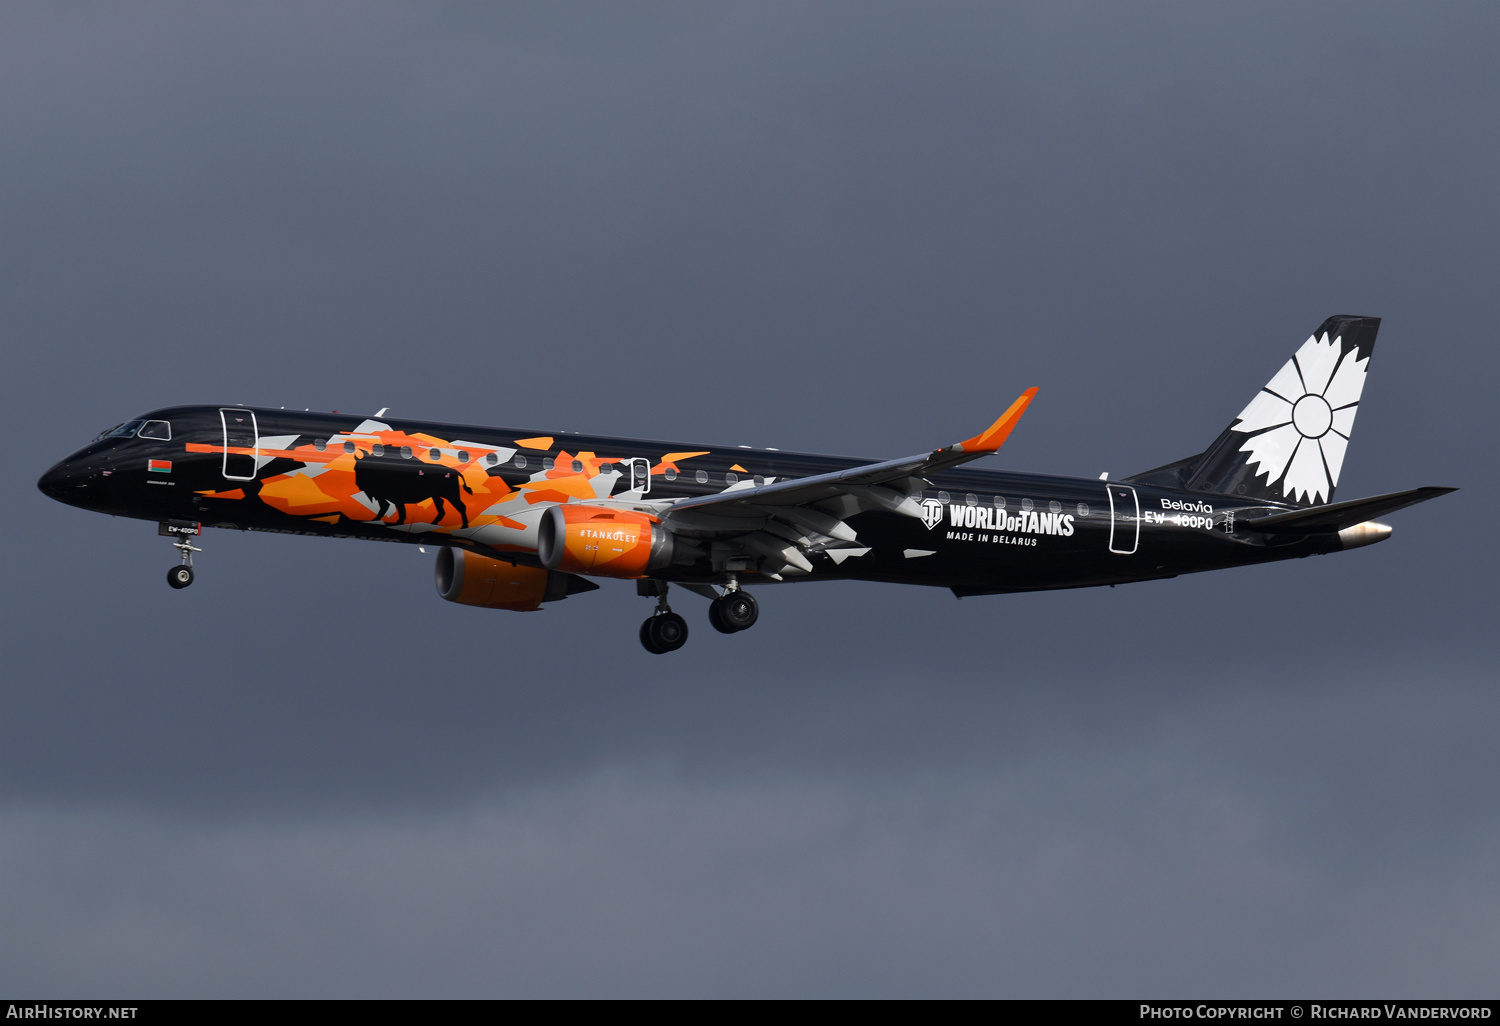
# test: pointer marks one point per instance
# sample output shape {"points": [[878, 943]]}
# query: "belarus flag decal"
{"points": [[159, 466]]}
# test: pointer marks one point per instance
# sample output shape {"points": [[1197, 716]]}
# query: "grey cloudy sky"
{"points": [[856, 228]]}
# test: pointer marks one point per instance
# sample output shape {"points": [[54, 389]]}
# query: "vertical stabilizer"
{"points": [[1288, 444]]}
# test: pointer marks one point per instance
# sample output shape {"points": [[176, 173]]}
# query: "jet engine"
{"points": [[602, 541], [474, 580]]}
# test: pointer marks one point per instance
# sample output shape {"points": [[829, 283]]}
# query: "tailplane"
{"points": [[1288, 444]]}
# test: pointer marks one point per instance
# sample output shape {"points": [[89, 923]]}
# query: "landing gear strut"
{"points": [[735, 610], [664, 631], [182, 575]]}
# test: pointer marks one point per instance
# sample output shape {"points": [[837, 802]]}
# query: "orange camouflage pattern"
{"points": [[481, 506]]}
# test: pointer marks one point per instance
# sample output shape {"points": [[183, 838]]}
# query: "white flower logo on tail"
{"points": [[1299, 424]]}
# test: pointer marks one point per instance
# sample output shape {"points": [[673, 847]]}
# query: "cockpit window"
{"points": [[161, 429], [125, 430]]}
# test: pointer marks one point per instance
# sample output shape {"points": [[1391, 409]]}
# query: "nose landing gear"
{"points": [[664, 631], [181, 576]]}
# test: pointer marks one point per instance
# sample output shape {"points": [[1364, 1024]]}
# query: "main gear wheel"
{"points": [[663, 633], [733, 611]]}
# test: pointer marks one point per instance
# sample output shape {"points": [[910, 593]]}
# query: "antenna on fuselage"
{"points": [[381, 411]]}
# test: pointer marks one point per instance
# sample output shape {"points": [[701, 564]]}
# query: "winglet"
{"points": [[993, 437]]}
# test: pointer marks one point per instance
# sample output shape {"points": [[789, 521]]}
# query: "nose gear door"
{"points": [[241, 444], [1124, 519]]}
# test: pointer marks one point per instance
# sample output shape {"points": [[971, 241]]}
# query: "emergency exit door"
{"points": [[1124, 519], [640, 475]]}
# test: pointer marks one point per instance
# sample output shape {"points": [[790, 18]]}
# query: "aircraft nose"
{"points": [[81, 480], [55, 481]]}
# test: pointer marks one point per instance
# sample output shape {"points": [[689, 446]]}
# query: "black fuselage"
{"points": [[983, 532]]}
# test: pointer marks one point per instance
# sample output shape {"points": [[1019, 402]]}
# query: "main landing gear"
{"points": [[735, 610], [664, 631]]}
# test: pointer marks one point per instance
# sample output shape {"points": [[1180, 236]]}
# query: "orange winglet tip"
{"points": [[993, 437]]}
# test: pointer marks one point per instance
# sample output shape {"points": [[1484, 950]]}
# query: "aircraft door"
{"points": [[640, 475], [240, 433], [1124, 519]]}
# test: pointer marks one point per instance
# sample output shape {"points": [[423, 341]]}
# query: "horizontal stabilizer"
{"points": [[1339, 515]]}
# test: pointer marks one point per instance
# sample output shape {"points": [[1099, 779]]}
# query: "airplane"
{"points": [[521, 519]]}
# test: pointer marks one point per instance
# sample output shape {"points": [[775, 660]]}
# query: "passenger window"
{"points": [[320, 445], [463, 455], [731, 478], [1026, 505], [435, 455], [702, 477], [669, 474], [159, 429], [406, 452], [970, 499], [377, 449], [1054, 506], [520, 461], [348, 446]]}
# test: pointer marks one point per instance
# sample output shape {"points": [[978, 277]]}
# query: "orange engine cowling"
{"points": [[601, 541], [476, 580]]}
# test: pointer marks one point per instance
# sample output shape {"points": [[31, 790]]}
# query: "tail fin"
{"points": [[1288, 443]]}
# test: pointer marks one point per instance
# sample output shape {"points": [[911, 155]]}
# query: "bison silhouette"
{"points": [[398, 486]]}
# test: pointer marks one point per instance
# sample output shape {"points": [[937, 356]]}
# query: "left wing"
{"points": [[776, 526]]}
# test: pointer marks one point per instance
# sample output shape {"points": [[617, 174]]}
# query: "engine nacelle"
{"points": [[474, 580], [601, 541]]}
